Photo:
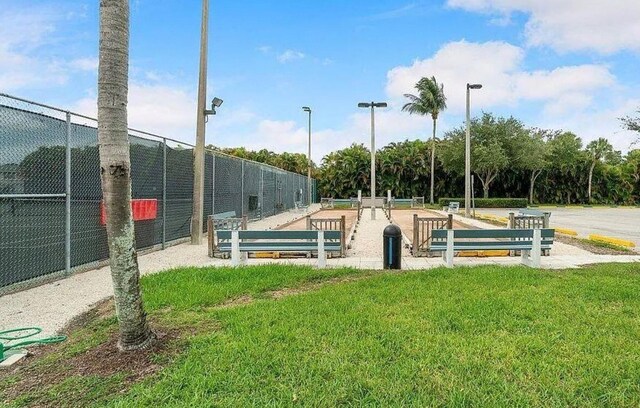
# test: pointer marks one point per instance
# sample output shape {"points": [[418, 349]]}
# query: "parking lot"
{"points": [[623, 222]]}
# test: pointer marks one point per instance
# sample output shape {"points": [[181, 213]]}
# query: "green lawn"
{"points": [[485, 336]]}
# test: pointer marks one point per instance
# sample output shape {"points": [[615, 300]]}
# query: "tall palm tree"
{"points": [[598, 150], [115, 170], [430, 101]]}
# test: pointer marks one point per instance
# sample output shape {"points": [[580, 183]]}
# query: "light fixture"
{"points": [[215, 103]]}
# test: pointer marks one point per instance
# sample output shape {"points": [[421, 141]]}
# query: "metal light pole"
{"points": [[308, 109], [198, 159], [467, 154], [373, 105]]}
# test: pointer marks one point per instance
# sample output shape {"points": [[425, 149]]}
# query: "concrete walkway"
{"points": [[52, 305]]}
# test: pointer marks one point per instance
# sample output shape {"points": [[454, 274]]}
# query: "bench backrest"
{"points": [[221, 216], [281, 235], [546, 233], [531, 212]]}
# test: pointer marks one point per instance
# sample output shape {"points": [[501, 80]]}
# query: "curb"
{"points": [[567, 231], [612, 240]]}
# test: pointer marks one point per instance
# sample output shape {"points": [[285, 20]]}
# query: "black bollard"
{"points": [[392, 247]]}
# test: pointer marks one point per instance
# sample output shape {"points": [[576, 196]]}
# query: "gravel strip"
{"points": [[367, 241]]}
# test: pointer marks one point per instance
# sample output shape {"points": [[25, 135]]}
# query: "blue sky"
{"points": [[569, 64]]}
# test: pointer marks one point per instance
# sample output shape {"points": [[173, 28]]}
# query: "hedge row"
{"points": [[489, 202]]}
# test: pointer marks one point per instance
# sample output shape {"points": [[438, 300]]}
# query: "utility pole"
{"points": [[308, 110], [198, 159]]}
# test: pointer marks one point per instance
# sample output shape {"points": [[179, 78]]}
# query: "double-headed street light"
{"points": [[308, 109], [373, 105], [467, 154]]}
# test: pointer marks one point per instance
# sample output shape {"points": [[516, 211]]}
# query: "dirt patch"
{"points": [[588, 246], [281, 293], [103, 361], [239, 301]]}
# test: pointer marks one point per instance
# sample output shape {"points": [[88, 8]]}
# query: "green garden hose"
{"points": [[22, 334]]}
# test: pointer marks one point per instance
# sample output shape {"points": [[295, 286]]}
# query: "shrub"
{"points": [[489, 202]]}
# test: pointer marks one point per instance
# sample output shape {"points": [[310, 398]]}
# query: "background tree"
{"points": [[565, 156], [402, 168], [598, 150], [533, 156], [430, 101], [345, 171], [631, 123], [115, 170], [492, 148]]}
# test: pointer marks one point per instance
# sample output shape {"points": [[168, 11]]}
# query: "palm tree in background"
{"points": [[430, 101], [599, 150]]}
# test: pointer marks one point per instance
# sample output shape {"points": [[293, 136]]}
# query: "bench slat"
{"points": [[505, 244], [456, 247], [280, 234], [492, 233], [273, 244]]}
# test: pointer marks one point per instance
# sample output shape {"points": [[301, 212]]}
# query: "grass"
{"points": [[484, 336]]}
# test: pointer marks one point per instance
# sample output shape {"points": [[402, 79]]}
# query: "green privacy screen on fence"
{"points": [[40, 237]]}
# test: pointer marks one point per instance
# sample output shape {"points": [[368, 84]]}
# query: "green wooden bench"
{"points": [[240, 243], [224, 215], [532, 213], [530, 241]]}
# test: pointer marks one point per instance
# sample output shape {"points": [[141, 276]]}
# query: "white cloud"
{"points": [[498, 66], [290, 55], [592, 124], [85, 64], [160, 109], [567, 25], [265, 49], [24, 34]]}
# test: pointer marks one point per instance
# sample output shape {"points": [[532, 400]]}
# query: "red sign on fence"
{"points": [[142, 209]]}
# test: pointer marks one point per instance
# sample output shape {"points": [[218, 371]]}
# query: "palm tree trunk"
{"points": [[115, 170], [433, 160], [593, 165]]}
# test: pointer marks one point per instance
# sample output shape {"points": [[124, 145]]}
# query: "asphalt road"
{"points": [[623, 223]]}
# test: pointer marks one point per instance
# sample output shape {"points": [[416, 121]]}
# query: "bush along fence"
{"points": [[51, 221]]}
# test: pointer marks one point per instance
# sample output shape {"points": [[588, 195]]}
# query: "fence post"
{"points": [[244, 222], [450, 221], [67, 200], [213, 184], [210, 243], [261, 192], [164, 193], [343, 234], [242, 189], [512, 225], [545, 222], [416, 233], [308, 217]]}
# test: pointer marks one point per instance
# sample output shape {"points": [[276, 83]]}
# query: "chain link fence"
{"points": [[50, 192]]}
